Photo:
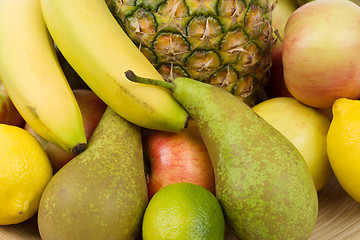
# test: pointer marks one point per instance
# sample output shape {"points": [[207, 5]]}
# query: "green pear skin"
{"points": [[262, 181], [101, 193]]}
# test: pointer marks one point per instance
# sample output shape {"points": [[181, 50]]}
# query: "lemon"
{"points": [[343, 145], [24, 172], [183, 211]]}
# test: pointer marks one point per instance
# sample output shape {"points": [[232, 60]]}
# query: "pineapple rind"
{"points": [[226, 43]]}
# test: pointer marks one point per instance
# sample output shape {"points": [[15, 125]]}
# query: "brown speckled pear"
{"points": [[262, 181], [101, 193]]}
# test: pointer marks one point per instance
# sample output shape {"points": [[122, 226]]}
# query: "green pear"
{"points": [[306, 128], [101, 193], [262, 180]]}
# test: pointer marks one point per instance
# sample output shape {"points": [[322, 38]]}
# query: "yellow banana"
{"points": [[33, 77], [100, 52]]}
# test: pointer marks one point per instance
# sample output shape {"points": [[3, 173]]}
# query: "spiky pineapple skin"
{"points": [[226, 43]]}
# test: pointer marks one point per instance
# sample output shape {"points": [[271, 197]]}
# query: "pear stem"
{"points": [[134, 78]]}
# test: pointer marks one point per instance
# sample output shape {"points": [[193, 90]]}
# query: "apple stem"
{"points": [[134, 78], [278, 35]]}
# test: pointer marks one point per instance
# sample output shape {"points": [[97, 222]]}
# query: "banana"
{"points": [[33, 77], [100, 52]]}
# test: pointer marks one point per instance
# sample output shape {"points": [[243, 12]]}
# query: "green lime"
{"points": [[183, 211]]}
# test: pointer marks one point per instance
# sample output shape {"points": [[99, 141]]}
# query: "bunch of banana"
{"points": [[33, 78], [100, 52]]}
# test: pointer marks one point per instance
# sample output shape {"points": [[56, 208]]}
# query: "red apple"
{"points": [[92, 109], [321, 52], [276, 86], [8, 112], [177, 157]]}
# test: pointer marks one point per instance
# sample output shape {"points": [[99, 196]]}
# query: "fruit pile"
{"points": [[176, 119]]}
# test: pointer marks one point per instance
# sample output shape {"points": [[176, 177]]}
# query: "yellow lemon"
{"points": [[183, 211], [24, 172], [343, 145]]}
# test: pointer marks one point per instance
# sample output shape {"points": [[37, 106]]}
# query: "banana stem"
{"points": [[134, 78]]}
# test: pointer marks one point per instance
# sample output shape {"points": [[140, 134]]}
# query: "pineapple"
{"points": [[226, 43]]}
